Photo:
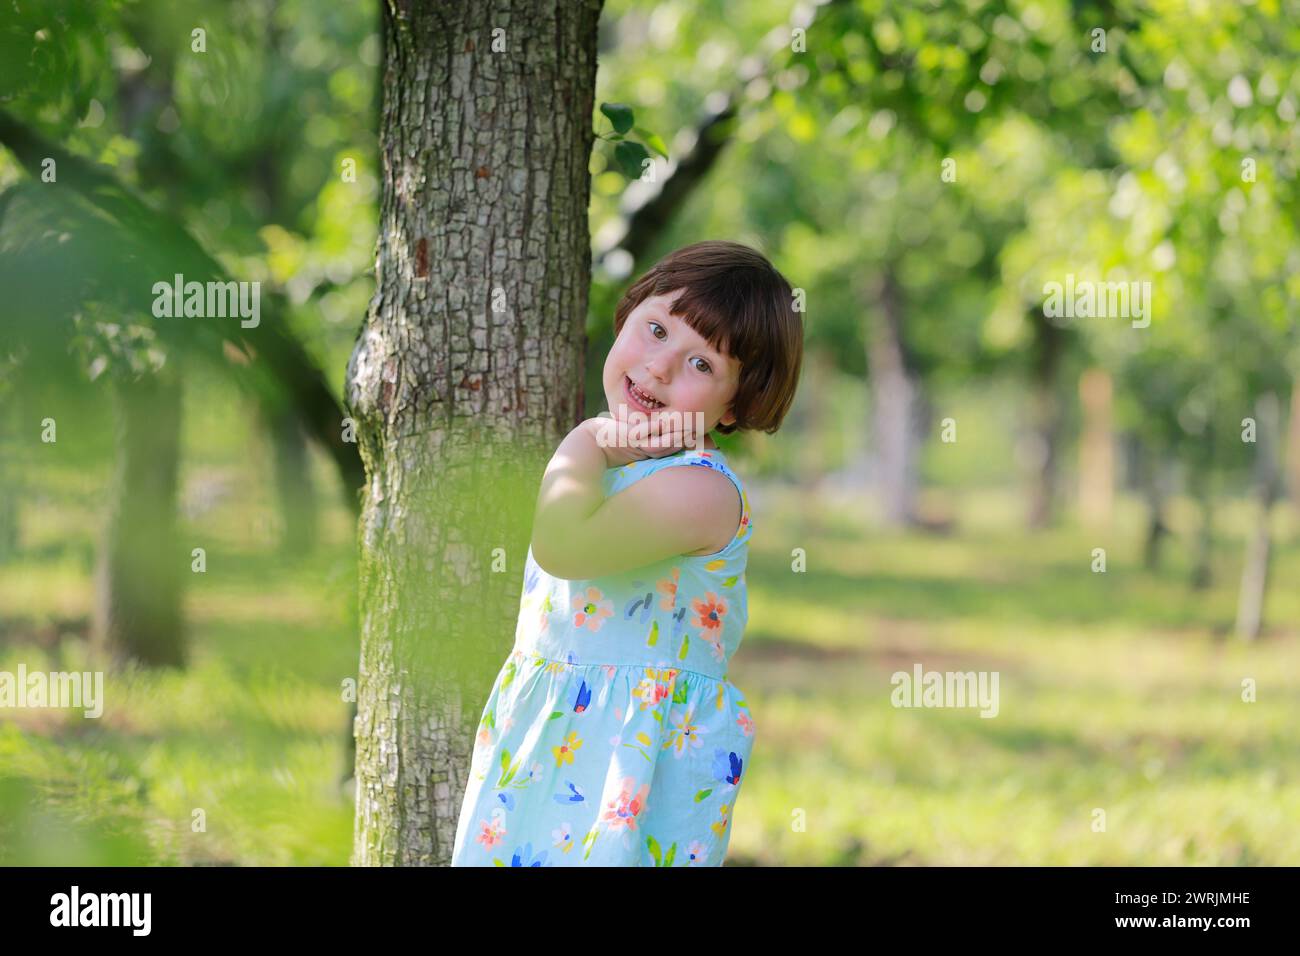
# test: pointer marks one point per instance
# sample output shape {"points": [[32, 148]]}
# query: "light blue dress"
{"points": [[611, 736]]}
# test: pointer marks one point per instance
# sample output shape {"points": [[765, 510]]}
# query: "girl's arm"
{"points": [[578, 533]]}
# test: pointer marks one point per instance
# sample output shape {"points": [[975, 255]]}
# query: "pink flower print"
{"points": [[685, 734], [591, 610], [746, 724], [610, 670], [709, 614], [490, 834], [695, 853], [715, 645], [668, 588], [657, 685], [622, 811], [484, 736]]}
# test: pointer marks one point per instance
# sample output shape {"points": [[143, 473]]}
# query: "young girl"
{"points": [[612, 736]]}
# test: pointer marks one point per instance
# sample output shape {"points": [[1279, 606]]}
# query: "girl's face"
{"points": [[670, 363]]}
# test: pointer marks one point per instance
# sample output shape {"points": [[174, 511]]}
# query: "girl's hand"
{"points": [[624, 443]]}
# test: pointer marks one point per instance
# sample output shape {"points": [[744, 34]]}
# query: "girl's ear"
{"points": [[727, 419]]}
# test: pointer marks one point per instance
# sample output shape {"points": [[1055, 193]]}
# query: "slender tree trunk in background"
{"points": [[139, 606], [1154, 491], [1096, 450], [138, 601], [896, 403], [813, 463], [1202, 487], [1201, 483], [1046, 417], [1293, 444], [295, 490], [465, 377], [1254, 575]]}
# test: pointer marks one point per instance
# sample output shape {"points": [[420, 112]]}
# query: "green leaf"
{"points": [[555, 713], [653, 141], [620, 114], [672, 852], [686, 643], [653, 844], [630, 156], [703, 794]]}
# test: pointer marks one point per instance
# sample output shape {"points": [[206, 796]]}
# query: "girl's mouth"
{"points": [[639, 400]]}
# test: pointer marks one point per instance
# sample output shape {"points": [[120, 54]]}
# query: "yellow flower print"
{"points": [[668, 588], [685, 734], [564, 751], [720, 827], [709, 614], [590, 610]]}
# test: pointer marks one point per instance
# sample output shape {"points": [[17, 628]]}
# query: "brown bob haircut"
{"points": [[738, 303]]}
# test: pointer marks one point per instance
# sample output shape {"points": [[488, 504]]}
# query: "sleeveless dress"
{"points": [[611, 736]]}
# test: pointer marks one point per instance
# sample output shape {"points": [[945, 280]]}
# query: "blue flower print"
{"points": [[727, 766], [524, 857], [583, 699], [575, 794]]}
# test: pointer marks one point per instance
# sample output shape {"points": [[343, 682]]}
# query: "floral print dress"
{"points": [[611, 736]]}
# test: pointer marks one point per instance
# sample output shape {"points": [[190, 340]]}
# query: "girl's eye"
{"points": [[656, 328]]}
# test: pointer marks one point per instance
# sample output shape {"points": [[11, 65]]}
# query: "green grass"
{"points": [[1119, 692]]}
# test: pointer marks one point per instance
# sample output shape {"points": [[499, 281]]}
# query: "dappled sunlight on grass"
{"points": [[1114, 694]]}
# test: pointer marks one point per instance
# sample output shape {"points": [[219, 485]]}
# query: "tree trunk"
{"points": [[897, 406], [1201, 481], [1096, 450], [1254, 575], [464, 378], [1046, 417], [1155, 492], [1293, 444], [138, 599], [295, 490]]}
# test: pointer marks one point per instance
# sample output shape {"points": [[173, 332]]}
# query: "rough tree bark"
{"points": [[465, 376]]}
